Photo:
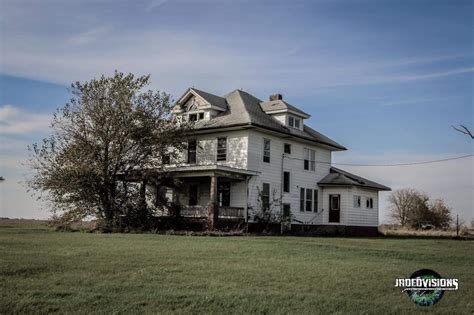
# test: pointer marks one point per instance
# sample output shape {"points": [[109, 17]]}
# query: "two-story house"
{"points": [[247, 154]]}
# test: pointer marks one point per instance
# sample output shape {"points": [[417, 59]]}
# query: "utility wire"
{"points": [[387, 165]]}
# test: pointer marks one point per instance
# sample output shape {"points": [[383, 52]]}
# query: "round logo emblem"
{"points": [[427, 296]]}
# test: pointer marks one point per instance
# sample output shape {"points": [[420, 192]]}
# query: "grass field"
{"points": [[45, 271]]}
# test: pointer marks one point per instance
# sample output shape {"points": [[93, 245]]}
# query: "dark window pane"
{"points": [[286, 210], [266, 196], [201, 116], [309, 199], [286, 181], [193, 117], [192, 151], [266, 150], [297, 123], [301, 199], [316, 200], [221, 149], [306, 164], [291, 121], [287, 148], [166, 159]]}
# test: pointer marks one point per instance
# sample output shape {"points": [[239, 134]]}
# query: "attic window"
{"points": [[193, 117], [294, 122], [201, 116]]}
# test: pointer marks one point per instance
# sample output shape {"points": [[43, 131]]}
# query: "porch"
{"points": [[210, 192]]}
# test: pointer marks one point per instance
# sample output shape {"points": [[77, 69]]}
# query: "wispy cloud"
{"points": [[89, 36], [14, 121], [154, 4]]}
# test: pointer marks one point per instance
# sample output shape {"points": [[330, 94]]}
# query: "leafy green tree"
{"points": [[111, 132]]}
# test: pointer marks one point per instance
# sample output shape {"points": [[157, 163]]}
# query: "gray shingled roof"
{"points": [[280, 105], [244, 109], [338, 177], [211, 98]]}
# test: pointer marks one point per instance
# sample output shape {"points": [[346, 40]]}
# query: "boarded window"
{"points": [[265, 196], [302, 199], [192, 151], [309, 159], [286, 182], [287, 148], [356, 201], [221, 149], [266, 150]]}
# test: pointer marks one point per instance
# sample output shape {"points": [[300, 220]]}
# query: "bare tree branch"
{"points": [[463, 130]]}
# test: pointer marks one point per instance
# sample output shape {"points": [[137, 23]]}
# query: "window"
{"points": [[286, 182], [192, 117], [287, 148], [356, 201], [315, 200], [301, 199], [306, 199], [286, 210], [291, 121], [297, 123], [166, 159], [201, 116], [223, 194], [221, 149], [370, 203], [266, 150], [266, 196], [309, 199], [192, 151], [309, 160], [193, 195]]}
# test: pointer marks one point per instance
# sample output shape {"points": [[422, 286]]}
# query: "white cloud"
{"points": [[14, 121]]}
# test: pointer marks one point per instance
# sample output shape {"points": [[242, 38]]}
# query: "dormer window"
{"points": [[201, 116], [193, 117], [294, 122]]}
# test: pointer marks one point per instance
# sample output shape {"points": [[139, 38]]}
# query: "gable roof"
{"points": [[338, 177], [211, 98], [244, 109], [277, 105]]}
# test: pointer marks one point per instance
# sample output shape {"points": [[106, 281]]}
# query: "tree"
{"points": [[441, 214], [412, 208], [110, 130], [403, 201]]}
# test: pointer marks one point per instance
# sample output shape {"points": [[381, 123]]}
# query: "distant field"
{"points": [[45, 271]]}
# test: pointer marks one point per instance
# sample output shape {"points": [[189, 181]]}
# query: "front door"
{"points": [[223, 194], [334, 208]]}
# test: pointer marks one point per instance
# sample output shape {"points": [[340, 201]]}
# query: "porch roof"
{"points": [[338, 177], [194, 170]]}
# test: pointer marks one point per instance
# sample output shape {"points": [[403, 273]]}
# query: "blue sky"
{"points": [[385, 78]]}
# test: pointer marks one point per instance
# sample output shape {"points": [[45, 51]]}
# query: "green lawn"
{"points": [[46, 271]]}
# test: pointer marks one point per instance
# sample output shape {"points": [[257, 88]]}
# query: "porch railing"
{"points": [[201, 212]]}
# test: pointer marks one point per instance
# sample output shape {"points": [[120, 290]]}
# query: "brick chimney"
{"points": [[276, 97]]}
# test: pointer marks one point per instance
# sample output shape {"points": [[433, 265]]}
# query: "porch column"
{"points": [[213, 207]]}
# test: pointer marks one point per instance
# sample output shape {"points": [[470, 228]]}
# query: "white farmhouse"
{"points": [[247, 155]]}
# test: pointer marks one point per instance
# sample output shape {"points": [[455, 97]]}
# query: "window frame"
{"points": [[297, 123], [291, 121], [309, 162], [309, 201], [286, 181], [223, 156], [357, 201], [267, 157], [265, 197], [201, 116], [191, 153], [193, 115], [285, 147], [369, 203], [316, 200]]}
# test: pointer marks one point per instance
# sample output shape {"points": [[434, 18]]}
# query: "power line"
{"points": [[387, 165]]}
